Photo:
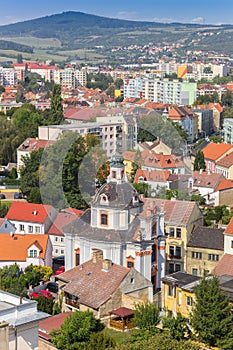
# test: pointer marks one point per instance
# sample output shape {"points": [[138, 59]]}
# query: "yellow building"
{"points": [[204, 249]]}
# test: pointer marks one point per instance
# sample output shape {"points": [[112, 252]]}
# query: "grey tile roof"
{"points": [[82, 228], [119, 196], [207, 237], [180, 278]]}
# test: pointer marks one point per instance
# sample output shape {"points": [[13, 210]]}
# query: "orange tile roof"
{"points": [[28, 212], [32, 144], [229, 229], [213, 151], [226, 161], [224, 185], [205, 179], [161, 161], [15, 248], [153, 175]]}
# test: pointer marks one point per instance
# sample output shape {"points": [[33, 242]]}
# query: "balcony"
{"points": [[72, 302]]}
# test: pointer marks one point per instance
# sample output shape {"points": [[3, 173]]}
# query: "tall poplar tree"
{"points": [[211, 317], [56, 106], [199, 162]]}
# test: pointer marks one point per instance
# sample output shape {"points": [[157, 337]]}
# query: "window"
{"points": [[196, 255], [62, 251], [56, 251], [21, 227], [37, 229], [104, 219], [171, 231], [231, 244], [56, 239], [178, 232], [177, 267], [30, 229], [178, 252], [33, 253], [130, 264], [62, 239], [213, 257], [171, 251], [174, 252], [195, 272], [189, 301], [114, 174], [170, 290]]}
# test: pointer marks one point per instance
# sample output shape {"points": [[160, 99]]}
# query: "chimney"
{"points": [[97, 255], [107, 263]]}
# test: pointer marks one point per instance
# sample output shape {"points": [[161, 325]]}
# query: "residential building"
{"points": [[204, 249], [8, 77], [187, 120], [101, 286], [28, 146], [205, 121], [5, 107], [164, 91], [128, 232], [153, 161], [6, 226], [204, 183], [225, 166], [228, 238], [178, 292], [115, 136], [70, 77], [30, 218], [214, 152], [180, 219], [228, 130], [156, 146], [56, 232], [25, 250], [154, 178], [19, 319], [223, 194]]}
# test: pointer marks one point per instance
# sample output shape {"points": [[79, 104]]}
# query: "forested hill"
{"points": [[81, 30]]}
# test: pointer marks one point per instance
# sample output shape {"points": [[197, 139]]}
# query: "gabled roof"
{"points": [[213, 151], [15, 248], [224, 184], [205, 179], [224, 266], [226, 161], [60, 221], [50, 323], [176, 212], [161, 161], [180, 278], [152, 175], [28, 212], [229, 229], [92, 284], [207, 237]]}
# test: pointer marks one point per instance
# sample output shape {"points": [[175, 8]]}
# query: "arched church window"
{"points": [[104, 219]]}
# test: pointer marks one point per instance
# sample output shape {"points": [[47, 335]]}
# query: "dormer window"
{"points": [[104, 199], [104, 219], [33, 253]]}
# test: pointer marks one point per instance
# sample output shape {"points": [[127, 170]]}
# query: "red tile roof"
{"points": [[14, 248], [161, 161], [213, 151], [224, 266], [28, 212], [60, 221], [226, 161], [176, 212], [152, 175], [32, 144], [224, 185], [50, 323], [205, 179], [91, 284], [229, 229]]}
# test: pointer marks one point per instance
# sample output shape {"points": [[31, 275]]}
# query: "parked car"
{"points": [[43, 293], [18, 195], [60, 270], [2, 196], [52, 287]]}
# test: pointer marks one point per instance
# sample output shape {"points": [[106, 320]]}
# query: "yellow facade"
{"points": [[180, 302]]}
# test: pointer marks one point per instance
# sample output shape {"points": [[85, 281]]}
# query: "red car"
{"points": [[41, 293], [60, 270]]}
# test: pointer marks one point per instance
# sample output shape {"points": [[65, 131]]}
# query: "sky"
{"points": [[188, 11]]}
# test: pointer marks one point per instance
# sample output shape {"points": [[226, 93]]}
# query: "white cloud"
{"points": [[198, 20], [164, 19]]}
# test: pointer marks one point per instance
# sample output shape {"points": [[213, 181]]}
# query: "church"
{"points": [[121, 227]]}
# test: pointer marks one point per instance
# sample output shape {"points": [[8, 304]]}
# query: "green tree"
{"points": [[199, 162], [19, 58], [197, 198], [177, 326], [100, 341], [146, 316], [56, 116], [227, 99], [76, 331], [2, 89], [211, 317], [142, 188], [45, 304]]}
